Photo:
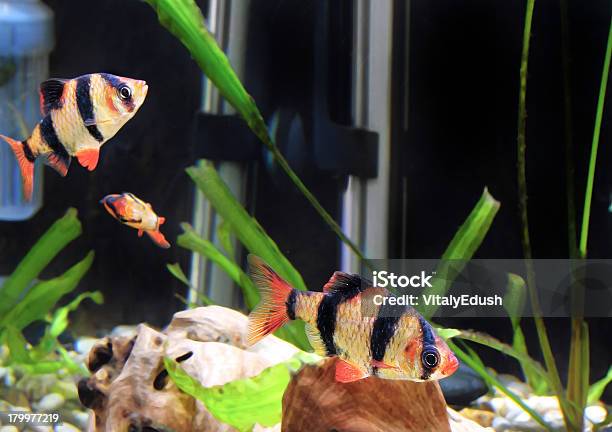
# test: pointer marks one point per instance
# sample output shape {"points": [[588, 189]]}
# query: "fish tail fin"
{"points": [[162, 220], [272, 311], [159, 239], [25, 166]]}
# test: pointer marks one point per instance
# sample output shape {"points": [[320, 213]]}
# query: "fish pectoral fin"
{"points": [[314, 337], [88, 158], [140, 233], [347, 372], [159, 239], [381, 365], [50, 93], [58, 163]]}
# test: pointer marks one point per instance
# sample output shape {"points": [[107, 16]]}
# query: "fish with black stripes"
{"points": [[79, 116], [343, 321], [134, 212]]}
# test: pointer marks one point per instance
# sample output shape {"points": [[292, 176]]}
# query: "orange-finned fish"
{"points": [[392, 342], [135, 213], [79, 115]]}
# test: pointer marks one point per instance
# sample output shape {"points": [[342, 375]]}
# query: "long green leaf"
{"points": [[44, 295], [491, 342], [241, 403], [176, 271], [598, 387], [462, 247], [192, 241], [184, 19], [62, 232], [246, 228], [514, 301]]}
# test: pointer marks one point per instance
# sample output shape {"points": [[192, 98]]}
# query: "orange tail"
{"points": [[159, 239], [271, 312], [25, 166]]}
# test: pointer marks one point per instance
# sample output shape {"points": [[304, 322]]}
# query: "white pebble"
{"points": [[85, 344], [80, 418], [9, 429], [595, 414], [67, 427], [50, 402], [542, 404], [500, 424]]}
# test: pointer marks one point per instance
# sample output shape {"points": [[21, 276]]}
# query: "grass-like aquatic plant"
{"points": [[24, 301]]}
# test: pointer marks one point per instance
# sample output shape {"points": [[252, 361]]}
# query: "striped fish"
{"points": [[392, 342], [135, 213], [79, 116]]}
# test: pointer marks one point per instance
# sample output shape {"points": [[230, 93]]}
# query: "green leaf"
{"points": [[447, 333], [462, 247], [44, 295], [62, 232], [597, 388], [177, 272], [241, 403], [59, 322], [224, 233], [245, 227], [184, 20], [192, 241], [491, 342], [17, 346]]}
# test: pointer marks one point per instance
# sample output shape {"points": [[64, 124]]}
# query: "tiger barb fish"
{"points": [[344, 322], [135, 213], [79, 116]]}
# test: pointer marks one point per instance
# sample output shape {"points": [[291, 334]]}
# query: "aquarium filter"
{"points": [[26, 39]]}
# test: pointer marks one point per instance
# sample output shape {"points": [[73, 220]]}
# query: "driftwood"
{"points": [[129, 390]]}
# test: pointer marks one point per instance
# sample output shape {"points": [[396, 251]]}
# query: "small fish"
{"points": [[79, 116], [135, 213], [392, 342]]}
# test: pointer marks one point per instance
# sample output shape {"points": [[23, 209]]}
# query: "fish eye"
{"points": [[125, 92], [430, 358]]}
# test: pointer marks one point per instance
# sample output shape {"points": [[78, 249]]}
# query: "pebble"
{"points": [[9, 429], [595, 413], [124, 330], [84, 344], [482, 417], [67, 427], [51, 402], [81, 418]]}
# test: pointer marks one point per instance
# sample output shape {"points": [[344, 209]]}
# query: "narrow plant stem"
{"points": [[282, 162], [549, 360], [567, 117], [588, 195], [492, 380]]}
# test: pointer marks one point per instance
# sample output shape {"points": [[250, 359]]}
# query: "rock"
{"points": [[482, 417], [463, 387], [595, 414], [50, 403], [314, 401], [500, 424], [67, 427], [80, 418], [10, 428], [125, 370]]}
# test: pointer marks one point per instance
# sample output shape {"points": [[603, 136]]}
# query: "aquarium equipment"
{"points": [[26, 39]]}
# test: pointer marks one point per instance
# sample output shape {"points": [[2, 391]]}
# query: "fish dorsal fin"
{"points": [[341, 281], [51, 92]]}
